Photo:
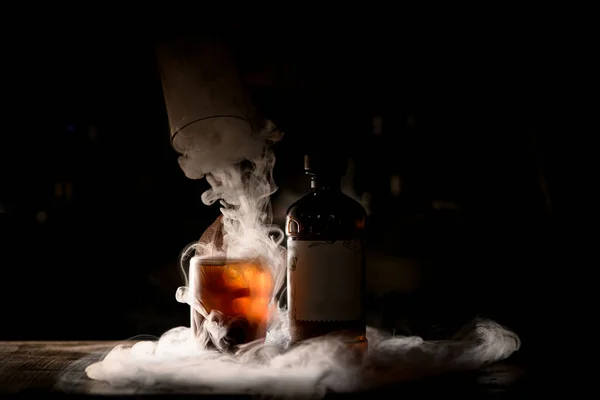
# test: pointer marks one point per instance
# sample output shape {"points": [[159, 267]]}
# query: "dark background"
{"points": [[94, 208]]}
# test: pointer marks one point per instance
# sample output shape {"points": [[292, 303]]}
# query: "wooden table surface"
{"points": [[57, 369]]}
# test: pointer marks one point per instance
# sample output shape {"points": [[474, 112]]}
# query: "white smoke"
{"points": [[245, 190], [309, 370]]}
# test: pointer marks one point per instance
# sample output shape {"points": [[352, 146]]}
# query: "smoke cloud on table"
{"points": [[310, 370]]}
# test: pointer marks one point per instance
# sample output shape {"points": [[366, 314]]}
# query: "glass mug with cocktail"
{"points": [[230, 297]]}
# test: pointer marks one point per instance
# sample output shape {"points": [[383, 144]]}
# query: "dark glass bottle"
{"points": [[326, 263]]}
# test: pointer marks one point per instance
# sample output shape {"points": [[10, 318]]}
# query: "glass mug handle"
{"points": [[183, 293], [183, 260]]}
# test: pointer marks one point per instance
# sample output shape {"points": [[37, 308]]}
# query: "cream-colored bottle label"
{"points": [[325, 280]]}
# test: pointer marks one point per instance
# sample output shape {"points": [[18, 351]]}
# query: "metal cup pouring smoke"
{"points": [[211, 119]]}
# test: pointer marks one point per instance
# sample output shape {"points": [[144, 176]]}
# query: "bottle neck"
{"points": [[325, 182]]}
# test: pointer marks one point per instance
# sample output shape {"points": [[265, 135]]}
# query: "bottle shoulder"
{"points": [[321, 216], [326, 203]]}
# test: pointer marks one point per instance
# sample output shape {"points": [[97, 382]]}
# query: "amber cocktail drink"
{"points": [[240, 289]]}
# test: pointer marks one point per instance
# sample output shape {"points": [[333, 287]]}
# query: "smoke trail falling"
{"points": [[244, 189]]}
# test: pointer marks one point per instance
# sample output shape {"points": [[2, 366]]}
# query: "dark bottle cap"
{"points": [[325, 163]]}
